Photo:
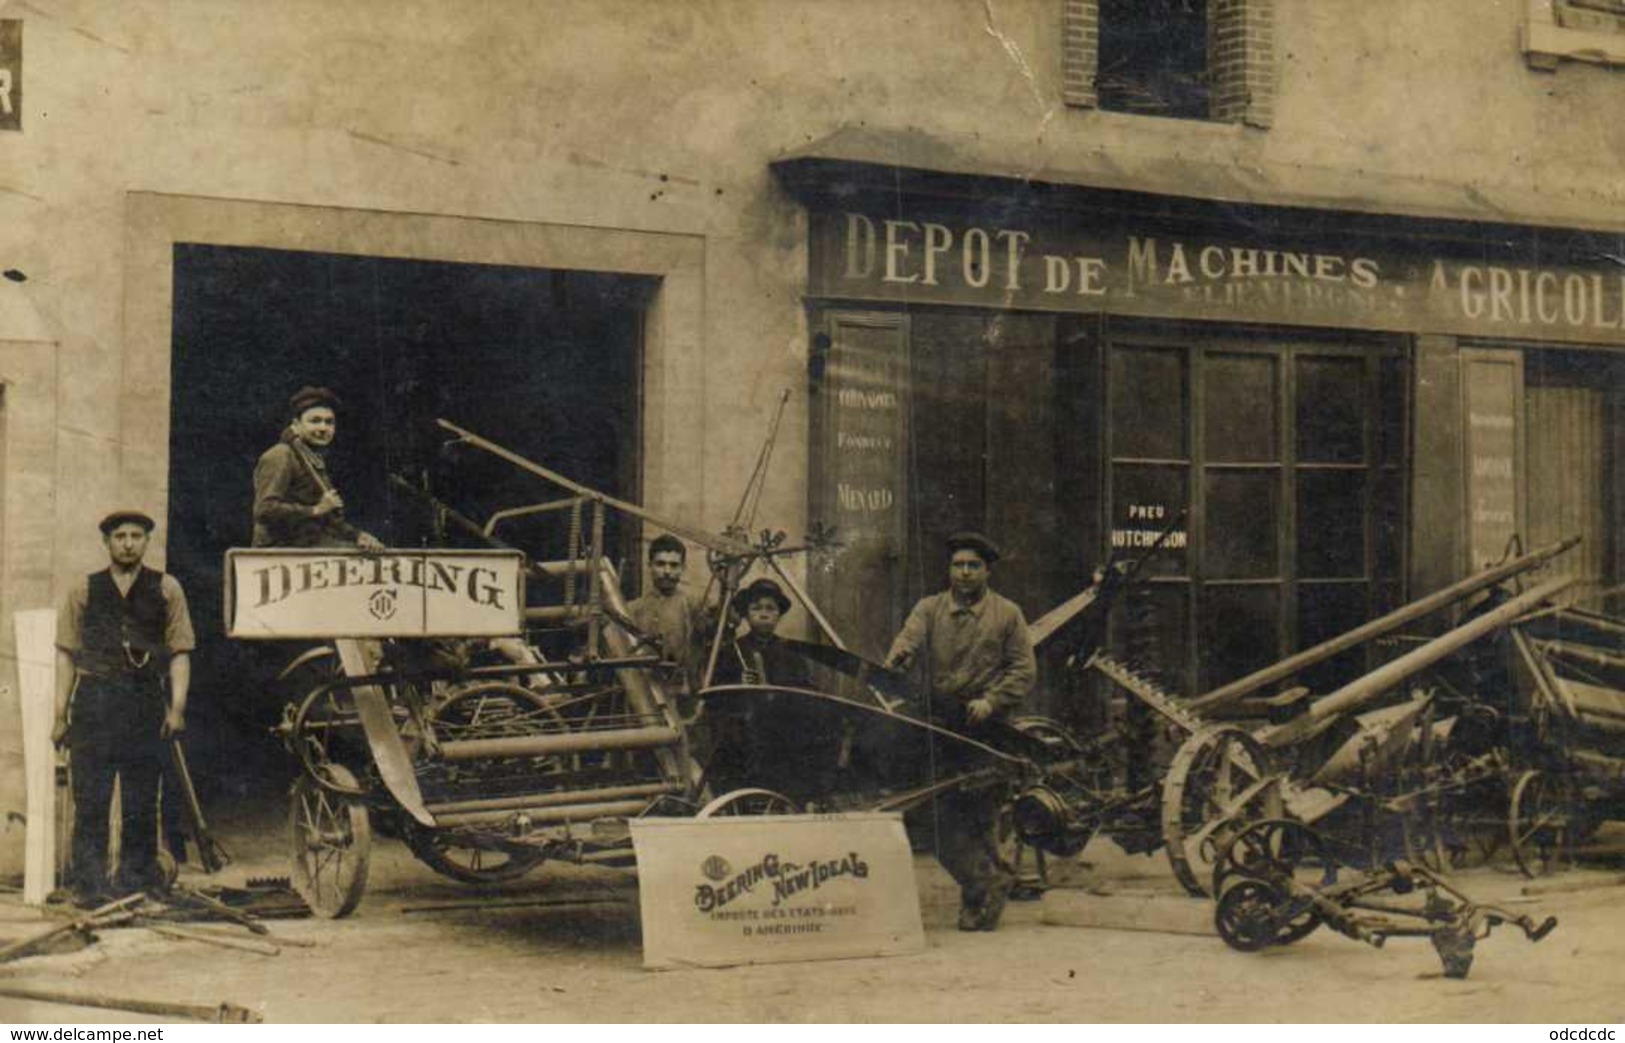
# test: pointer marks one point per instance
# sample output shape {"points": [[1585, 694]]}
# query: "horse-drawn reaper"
{"points": [[567, 733]]}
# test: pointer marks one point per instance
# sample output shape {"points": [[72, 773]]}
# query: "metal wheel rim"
{"points": [[749, 801], [464, 862], [1244, 916], [313, 751], [330, 840], [1196, 753], [1539, 802]]}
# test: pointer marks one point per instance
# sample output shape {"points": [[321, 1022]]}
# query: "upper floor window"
{"points": [[1578, 30], [1153, 57], [1190, 59]]}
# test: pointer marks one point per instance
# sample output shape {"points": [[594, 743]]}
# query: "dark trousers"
{"points": [[967, 841], [115, 735], [966, 819]]}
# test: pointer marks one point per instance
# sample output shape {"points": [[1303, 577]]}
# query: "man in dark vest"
{"points": [[123, 640], [295, 503]]}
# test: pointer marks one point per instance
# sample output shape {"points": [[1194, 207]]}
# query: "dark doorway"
{"points": [[545, 362]]}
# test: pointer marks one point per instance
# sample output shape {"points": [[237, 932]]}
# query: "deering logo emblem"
{"points": [[716, 868], [382, 603]]}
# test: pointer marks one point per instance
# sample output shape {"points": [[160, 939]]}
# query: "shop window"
{"points": [[1331, 410], [1293, 473], [1240, 412], [1189, 59], [1242, 518], [1240, 630], [1150, 385], [1573, 427], [1331, 523], [1324, 611]]}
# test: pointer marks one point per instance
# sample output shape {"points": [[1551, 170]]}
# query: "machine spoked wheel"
{"points": [[1032, 875], [324, 729], [1539, 823], [1216, 783], [1450, 832], [330, 839], [458, 859], [1274, 853], [494, 710], [749, 802], [1248, 914]]}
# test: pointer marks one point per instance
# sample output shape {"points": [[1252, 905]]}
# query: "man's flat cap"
{"points": [[762, 588], [309, 398], [985, 548], [117, 518]]}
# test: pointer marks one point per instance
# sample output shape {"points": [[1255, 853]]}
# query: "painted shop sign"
{"points": [[321, 593], [774, 888], [1129, 271], [1492, 393], [11, 74]]}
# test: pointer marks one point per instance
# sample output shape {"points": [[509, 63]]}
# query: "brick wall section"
{"points": [[1080, 51], [1241, 61]]}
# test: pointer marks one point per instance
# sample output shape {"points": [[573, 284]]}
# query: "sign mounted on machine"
{"points": [[721, 892], [328, 593]]}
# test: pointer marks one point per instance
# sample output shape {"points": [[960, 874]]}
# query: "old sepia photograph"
{"points": [[812, 511]]}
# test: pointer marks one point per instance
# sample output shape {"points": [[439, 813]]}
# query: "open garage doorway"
{"points": [[545, 361]]}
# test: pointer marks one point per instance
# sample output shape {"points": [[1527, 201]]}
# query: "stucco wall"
{"points": [[662, 117]]}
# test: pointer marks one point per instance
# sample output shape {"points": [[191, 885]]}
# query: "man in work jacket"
{"points": [[977, 658], [124, 636], [671, 614], [295, 503]]}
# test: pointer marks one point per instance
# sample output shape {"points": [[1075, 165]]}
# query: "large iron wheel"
{"points": [[330, 839], [1455, 829], [749, 802], [1540, 819], [1279, 853], [461, 859], [324, 729], [498, 710], [1215, 784]]}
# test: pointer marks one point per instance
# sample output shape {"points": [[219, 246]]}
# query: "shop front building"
{"points": [[1312, 416]]}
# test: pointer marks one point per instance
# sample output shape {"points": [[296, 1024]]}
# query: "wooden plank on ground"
{"points": [[1161, 913], [36, 678]]}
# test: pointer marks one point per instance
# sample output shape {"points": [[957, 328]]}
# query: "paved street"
{"points": [[580, 961]]}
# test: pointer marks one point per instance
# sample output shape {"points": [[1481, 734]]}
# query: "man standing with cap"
{"points": [[671, 614], [123, 633], [977, 658], [295, 503]]}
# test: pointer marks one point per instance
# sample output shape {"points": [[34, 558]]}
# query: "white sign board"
{"points": [[327, 593], [775, 888]]}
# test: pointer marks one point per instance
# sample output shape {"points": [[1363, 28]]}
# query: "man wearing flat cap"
{"points": [[124, 642], [295, 503], [977, 659]]}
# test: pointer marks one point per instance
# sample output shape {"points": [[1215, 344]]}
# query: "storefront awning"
{"points": [[860, 161]]}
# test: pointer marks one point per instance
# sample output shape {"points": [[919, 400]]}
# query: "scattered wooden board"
{"points": [[1161, 913], [36, 677]]}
